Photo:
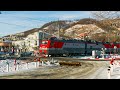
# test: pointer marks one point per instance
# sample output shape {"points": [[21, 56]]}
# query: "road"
{"points": [[99, 71], [88, 70]]}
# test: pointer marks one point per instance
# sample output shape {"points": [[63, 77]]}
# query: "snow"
{"points": [[8, 66], [82, 57], [102, 72], [115, 74]]}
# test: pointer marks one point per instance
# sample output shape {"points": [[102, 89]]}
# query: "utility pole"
{"points": [[108, 35], [43, 34], [58, 29]]}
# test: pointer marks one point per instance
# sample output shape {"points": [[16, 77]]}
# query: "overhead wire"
{"points": [[30, 19], [13, 24], [26, 18]]}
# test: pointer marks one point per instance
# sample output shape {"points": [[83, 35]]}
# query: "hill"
{"points": [[87, 28]]}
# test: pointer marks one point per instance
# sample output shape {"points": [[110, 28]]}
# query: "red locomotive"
{"points": [[61, 47]]}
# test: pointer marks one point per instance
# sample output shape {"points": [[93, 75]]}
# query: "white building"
{"points": [[31, 42]]}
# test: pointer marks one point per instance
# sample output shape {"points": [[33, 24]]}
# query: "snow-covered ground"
{"points": [[8, 66], [115, 70], [116, 73], [106, 56], [82, 57], [102, 72]]}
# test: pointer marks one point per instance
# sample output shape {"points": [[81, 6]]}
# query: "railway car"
{"points": [[112, 48], [71, 47]]}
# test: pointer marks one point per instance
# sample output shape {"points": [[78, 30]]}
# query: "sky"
{"points": [[12, 22]]}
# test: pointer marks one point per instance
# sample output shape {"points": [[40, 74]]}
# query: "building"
{"points": [[31, 42], [83, 36], [5, 46]]}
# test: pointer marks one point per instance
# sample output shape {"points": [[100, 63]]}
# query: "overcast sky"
{"points": [[12, 22]]}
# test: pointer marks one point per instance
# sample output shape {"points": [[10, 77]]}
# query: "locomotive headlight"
{"points": [[43, 48]]}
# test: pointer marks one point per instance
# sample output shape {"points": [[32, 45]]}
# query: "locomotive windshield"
{"points": [[44, 42], [53, 38]]}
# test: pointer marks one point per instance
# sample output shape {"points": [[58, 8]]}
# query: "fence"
{"points": [[15, 65]]}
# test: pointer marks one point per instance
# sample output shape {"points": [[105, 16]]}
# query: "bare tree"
{"points": [[107, 20], [101, 15]]}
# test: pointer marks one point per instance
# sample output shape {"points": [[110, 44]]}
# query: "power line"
{"points": [[20, 25], [32, 19], [28, 18], [20, 17], [13, 24]]}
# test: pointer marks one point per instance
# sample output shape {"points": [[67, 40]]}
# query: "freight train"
{"points": [[72, 47]]}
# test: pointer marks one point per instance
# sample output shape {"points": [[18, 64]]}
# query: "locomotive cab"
{"points": [[46, 46]]}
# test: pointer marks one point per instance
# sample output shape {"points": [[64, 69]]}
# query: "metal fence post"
{"points": [[26, 65], [7, 67], [108, 73], [17, 68]]}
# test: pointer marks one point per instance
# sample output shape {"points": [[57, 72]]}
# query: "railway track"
{"points": [[55, 58], [75, 59]]}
